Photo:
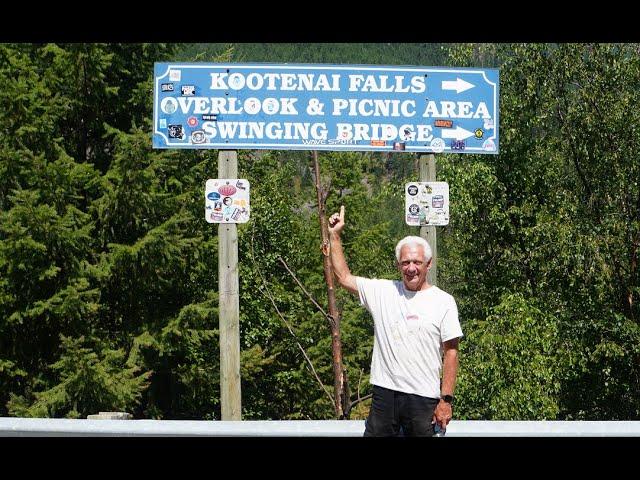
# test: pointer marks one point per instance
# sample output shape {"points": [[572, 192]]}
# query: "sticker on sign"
{"points": [[227, 200], [427, 203]]}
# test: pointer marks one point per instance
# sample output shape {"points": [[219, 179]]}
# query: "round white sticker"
{"points": [[437, 145]]}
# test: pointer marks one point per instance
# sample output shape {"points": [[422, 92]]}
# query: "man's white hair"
{"points": [[413, 240]]}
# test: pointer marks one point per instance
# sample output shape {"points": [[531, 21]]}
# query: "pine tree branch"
{"points": [[266, 291], [268, 294], [326, 315], [359, 399]]}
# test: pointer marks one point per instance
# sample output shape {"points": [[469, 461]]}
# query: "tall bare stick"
{"points": [[340, 383]]}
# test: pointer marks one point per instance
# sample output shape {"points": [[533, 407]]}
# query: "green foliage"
{"points": [[510, 368], [562, 218], [88, 382], [54, 265], [185, 357], [356, 53]]}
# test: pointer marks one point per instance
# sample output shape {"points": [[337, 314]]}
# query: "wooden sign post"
{"points": [[229, 302], [427, 162]]}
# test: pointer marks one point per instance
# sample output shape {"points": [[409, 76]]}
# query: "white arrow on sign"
{"points": [[458, 85], [458, 133]]}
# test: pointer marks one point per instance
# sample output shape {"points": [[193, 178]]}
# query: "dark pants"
{"points": [[395, 414]]}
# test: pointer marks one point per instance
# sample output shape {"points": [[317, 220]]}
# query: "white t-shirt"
{"points": [[409, 328]]}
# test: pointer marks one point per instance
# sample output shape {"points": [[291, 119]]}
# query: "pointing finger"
{"points": [[342, 213]]}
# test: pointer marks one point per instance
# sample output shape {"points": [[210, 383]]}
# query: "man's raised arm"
{"points": [[340, 267]]}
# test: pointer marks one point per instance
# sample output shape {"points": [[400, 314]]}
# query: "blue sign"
{"points": [[325, 107]]}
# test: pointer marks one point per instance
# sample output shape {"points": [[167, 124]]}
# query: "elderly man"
{"points": [[416, 334]]}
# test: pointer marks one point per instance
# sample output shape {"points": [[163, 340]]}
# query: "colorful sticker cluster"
{"points": [[427, 203], [169, 105], [227, 200]]}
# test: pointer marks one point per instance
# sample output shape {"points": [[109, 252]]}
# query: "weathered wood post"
{"points": [[427, 164], [229, 302]]}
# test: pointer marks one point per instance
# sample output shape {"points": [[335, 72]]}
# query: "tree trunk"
{"points": [[340, 383]]}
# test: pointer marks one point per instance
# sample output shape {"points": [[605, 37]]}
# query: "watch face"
{"points": [[447, 398]]}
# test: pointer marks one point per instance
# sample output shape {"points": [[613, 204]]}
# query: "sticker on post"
{"points": [[227, 200], [427, 204]]}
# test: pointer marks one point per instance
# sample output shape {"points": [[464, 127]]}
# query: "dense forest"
{"points": [[108, 269]]}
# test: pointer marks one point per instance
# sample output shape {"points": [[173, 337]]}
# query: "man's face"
{"points": [[413, 267]]}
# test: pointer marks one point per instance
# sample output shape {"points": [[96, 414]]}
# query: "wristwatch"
{"points": [[447, 398]]}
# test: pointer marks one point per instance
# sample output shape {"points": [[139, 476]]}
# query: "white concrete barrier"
{"points": [[58, 427]]}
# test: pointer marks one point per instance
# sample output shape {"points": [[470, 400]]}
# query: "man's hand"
{"points": [[336, 222], [340, 268], [442, 414]]}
